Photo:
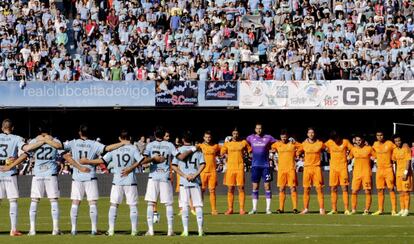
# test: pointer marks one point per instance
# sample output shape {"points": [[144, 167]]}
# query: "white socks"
{"points": [[112, 217], [93, 214], [170, 216], [199, 214], [54, 206], [184, 218], [150, 217], [13, 215], [133, 215], [32, 214], [74, 216]]}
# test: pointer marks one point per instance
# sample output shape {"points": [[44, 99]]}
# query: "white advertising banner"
{"points": [[341, 94]]}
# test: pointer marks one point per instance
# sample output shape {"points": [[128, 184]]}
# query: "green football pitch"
{"points": [[260, 228]]}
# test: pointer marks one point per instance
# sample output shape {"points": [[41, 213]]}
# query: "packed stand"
{"points": [[206, 40]]}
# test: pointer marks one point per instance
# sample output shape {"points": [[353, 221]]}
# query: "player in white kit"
{"points": [[85, 183], [160, 154], [190, 182], [123, 184]]}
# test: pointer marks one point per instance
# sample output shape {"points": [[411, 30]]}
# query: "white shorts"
{"points": [[42, 184], [193, 194], [79, 188], [117, 194], [9, 188], [162, 188]]}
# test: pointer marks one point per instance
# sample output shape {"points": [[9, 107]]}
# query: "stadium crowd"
{"points": [[206, 40]]}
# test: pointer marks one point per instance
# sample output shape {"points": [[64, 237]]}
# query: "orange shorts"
{"points": [[404, 185], [208, 180], [287, 178], [338, 177], [312, 176], [234, 178], [361, 182], [385, 178]]}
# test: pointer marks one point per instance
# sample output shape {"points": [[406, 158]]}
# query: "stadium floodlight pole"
{"points": [[395, 126]]}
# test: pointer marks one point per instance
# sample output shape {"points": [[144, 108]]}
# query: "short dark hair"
{"points": [[283, 132], [159, 132], [124, 135], [187, 136], [44, 127], [84, 130]]}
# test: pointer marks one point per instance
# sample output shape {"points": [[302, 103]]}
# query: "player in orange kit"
{"points": [[385, 174], [362, 173], [209, 174], [312, 174], [286, 169], [235, 149], [338, 170], [404, 174]]}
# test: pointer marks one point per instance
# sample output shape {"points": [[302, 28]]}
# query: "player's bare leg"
{"points": [[241, 200], [255, 197], [230, 200], [334, 200], [268, 194], [306, 198], [294, 196]]}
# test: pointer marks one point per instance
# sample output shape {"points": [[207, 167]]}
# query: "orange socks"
{"points": [[320, 198], [354, 199], [381, 201], [402, 200], [334, 199], [282, 197], [345, 198], [230, 200], [306, 197], [407, 200], [213, 200], [241, 199], [393, 198], [294, 196], [368, 200]]}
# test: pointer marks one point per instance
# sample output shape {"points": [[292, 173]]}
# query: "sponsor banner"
{"points": [[177, 94], [78, 94], [341, 94], [221, 90]]}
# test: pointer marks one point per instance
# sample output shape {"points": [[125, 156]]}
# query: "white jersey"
{"points": [[160, 171]]}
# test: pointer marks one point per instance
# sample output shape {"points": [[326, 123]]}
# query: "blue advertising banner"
{"points": [[204, 101], [177, 94], [78, 94], [221, 90]]}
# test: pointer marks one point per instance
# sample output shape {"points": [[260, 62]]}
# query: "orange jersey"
{"points": [[234, 151], [312, 152], [383, 153], [286, 155], [362, 160], [338, 153], [210, 153], [401, 156]]}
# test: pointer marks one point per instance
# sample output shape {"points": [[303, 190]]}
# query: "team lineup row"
{"points": [[196, 166]]}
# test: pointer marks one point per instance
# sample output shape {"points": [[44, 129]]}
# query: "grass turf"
{"points": [[260, 228]]}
